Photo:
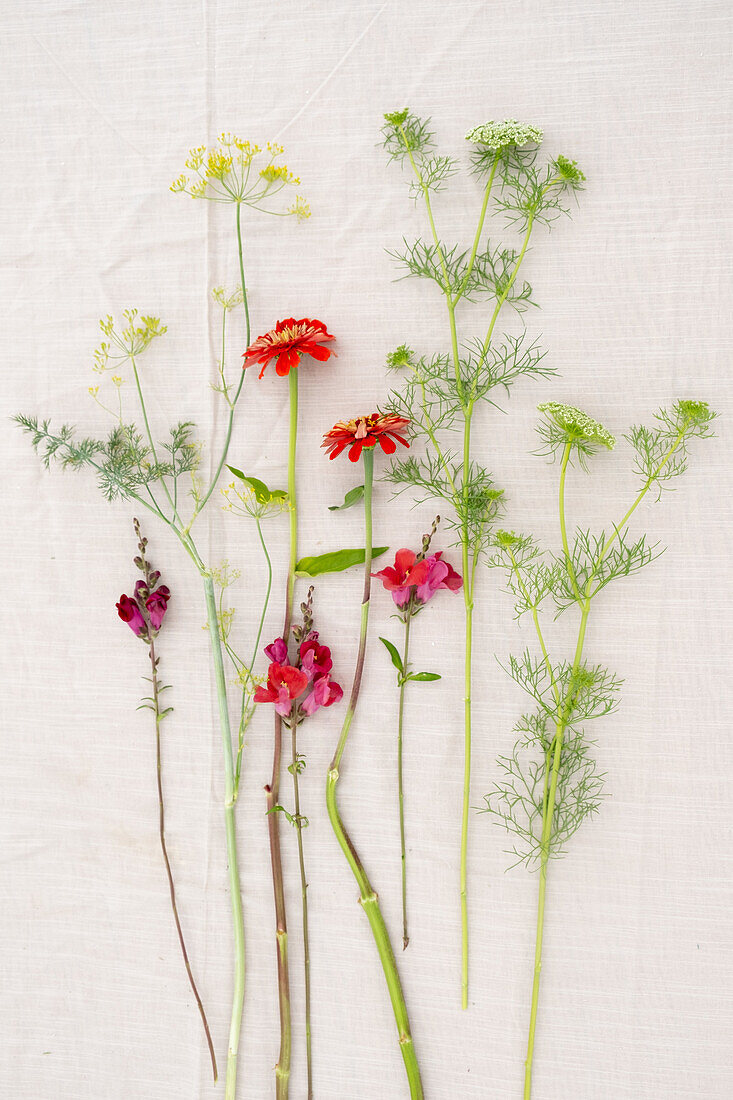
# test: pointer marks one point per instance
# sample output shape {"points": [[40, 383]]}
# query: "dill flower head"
{"points": [[500, 135], [577, 425], [238, 171]]}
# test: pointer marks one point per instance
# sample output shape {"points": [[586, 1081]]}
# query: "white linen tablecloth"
{"points": [[100, 103]]}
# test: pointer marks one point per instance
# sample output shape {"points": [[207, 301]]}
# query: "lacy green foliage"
{"points": [[440, 390], [487, 274], [123, 462], [686, 420], [569, 693], [518, 800]]}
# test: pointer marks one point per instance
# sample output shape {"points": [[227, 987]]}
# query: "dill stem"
{"points": [[255, 650], [400, 783], [231, 840], [304, 903], [232, 404], [272, 790], [467, 730], [368, 899], [563, 528], [166, 861]]}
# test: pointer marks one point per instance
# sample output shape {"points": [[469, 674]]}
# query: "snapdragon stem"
{"points": [[400, 783], [164, 848], [299, 825], [367, 896], [272, 790], [231, 839]]}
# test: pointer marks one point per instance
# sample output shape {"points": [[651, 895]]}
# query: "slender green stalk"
{"points": [[166, 860], [400, 784], [299, 823], [367, 896], [564, 707], [461, 491], [272, 790], [245, 715], [231, 839]]}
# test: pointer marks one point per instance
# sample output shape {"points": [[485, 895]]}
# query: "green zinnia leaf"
{"points": [[335, 562]]}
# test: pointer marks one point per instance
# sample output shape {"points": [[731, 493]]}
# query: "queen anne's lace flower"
{"points": [[499, 135], [578, 424]]}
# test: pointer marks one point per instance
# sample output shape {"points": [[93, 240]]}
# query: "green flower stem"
{"points": [[564, 709], [461, 493], [505, 293], [148, 432], [164, 848], [400, 785], [272, 790], [231, 839], [299, 825], [548, 814], [368, 898], [245, 716], [563, 528], [237, 392]]}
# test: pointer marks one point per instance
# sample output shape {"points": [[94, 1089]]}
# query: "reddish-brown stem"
{"points": [[166, 861]]}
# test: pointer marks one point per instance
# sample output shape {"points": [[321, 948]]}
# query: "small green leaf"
{"points": [[263, 495], [424, 676], [335, 562], [352, 497], [392, 650]]}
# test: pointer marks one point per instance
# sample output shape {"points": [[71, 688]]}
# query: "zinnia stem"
{"points": [[400, 784], [272, 790], [231, 839], [299, 824], [166, 861], [368, 898]]}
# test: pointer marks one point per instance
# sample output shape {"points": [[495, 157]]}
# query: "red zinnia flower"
{"points": [[366, 431], [284, 683], [286, 342]]}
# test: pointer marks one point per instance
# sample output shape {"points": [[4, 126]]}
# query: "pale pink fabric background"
{"points": [[99, 105]]}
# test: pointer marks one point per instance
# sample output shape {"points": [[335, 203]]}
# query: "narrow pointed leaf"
{"points": [[424, 676], [263, 495], [392, 650], [352, 497], [335, 562]]}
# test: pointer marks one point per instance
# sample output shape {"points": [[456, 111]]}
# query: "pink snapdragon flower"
{"points": [[145, 610], [157, 605], [308, 680], [315, 659], [284, 684], [130, 613], [277, 651], [439, 575], [325, 693], [406, 573]]}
